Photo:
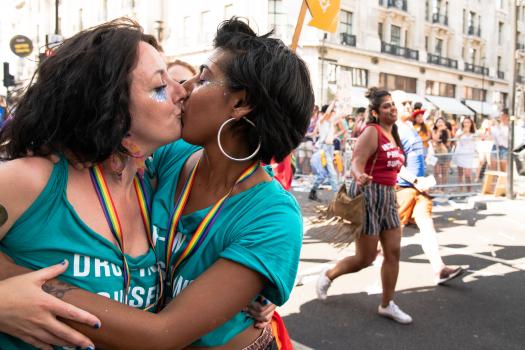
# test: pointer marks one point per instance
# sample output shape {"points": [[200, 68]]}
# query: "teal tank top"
{"points": [[260, 228], [51, 231]]}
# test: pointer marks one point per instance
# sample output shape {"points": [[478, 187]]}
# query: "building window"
{"points": [[186, 30], [380, 30], [206, 29], [396, 82], [499, 64], [439, 47], [359, 75], [437, 7], [395, 35], [426, 42], [476, 94], [436, 88], [500, 33], [471, 17], [345, 26], [473, 53], [228, 11], [503, 99], [427, 10], [278, 18]]}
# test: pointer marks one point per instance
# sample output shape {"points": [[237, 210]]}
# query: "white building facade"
{"points": [[450, 53], [447, 53]]}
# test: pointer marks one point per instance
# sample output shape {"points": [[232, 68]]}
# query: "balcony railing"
{"points": [[348, 39], [441, 19], [471, 30], [399, 51], [520, 46], [521, 79], [442, 61], [397, 4], [501, 75], [469, 67]]}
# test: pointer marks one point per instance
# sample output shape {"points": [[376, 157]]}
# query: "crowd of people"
{"points": [[456, 151]]}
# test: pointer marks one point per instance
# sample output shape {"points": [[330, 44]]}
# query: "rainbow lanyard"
{"points": [[110, 212], [204, 227]]}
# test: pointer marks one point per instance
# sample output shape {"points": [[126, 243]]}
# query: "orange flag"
{"points": [[325, 14]]}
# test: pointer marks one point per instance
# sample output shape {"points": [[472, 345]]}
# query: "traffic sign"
{"points": [[21, 45]]}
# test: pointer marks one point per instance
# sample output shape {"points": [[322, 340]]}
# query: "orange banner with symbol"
{"points": [[325, 14]]}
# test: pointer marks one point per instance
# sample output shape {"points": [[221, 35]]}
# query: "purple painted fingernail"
{"points": [[63, 262], [97, 325]]}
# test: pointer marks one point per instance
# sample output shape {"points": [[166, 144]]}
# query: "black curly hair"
{"points": [[79, 97], [277, 85]]}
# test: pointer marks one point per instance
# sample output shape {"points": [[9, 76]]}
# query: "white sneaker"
{"points": [[323, 283], [394, 312]]}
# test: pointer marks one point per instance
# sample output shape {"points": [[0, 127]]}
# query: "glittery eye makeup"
{"points": [[159, 94], [204, 80]]}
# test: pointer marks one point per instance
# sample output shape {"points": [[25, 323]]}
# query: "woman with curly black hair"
{"points": [[225, 231]]}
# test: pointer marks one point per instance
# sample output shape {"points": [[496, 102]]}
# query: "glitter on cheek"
{"points": [[159, 95]]}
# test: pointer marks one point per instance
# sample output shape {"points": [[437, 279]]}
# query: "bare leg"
{"points": [[468, 178], [445, 168], [366, 251], [461, 175], [390, 241]]}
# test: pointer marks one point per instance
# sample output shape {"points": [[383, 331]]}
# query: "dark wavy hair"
{"points": [[472, 129], [78, 99], [277, 85], [376, 96]]}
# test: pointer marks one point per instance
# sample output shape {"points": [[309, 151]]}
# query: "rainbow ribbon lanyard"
{"points": [[110, 212], [204, 227]]}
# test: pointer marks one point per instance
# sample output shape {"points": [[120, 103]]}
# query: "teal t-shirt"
{"points": [[51, 231], [260, 228]]}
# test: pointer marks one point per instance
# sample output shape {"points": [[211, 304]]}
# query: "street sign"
{"points": [[21, 45]]}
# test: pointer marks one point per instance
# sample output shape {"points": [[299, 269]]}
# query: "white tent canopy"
{"points": [[449, 105], [417, 98], [483, 107]]}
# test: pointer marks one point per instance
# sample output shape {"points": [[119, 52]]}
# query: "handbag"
{"points": [[346, 215]]}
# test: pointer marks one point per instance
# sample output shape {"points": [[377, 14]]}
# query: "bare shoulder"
{"points": [[28, 172], [369, 136], [21, 181]]}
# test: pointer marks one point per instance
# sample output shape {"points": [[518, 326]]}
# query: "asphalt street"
{"points": [[481, 309]]}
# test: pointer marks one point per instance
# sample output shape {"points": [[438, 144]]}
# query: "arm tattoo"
{"points": [[3, 215], [57, 288]]}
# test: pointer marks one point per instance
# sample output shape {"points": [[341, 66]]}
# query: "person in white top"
{"points": [[465, 152], [325, 144], [500, 133]]}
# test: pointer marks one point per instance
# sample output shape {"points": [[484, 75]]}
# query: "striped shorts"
{"points": [[380, 207]]}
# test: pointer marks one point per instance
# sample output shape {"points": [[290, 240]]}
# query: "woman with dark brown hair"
{"points": [[377, 159], [217, 215], [441, 142]]}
